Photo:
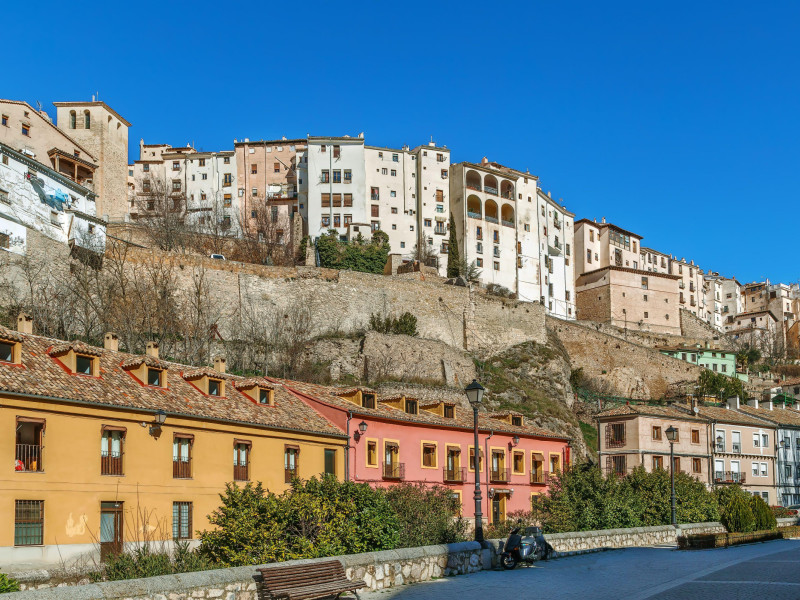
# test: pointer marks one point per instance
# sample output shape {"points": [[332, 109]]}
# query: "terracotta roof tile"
{"points": [[648, 410], [726, 415], [780, 416], [76, 346], [9, 335], [138, 361], [115, 387]]}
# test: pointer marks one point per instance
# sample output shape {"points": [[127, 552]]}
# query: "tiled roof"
{"points": [[462, 420], [781, 416], [647, 410], [115, 387], [137, 361], [725, 415], [790, 381], [243, 384], [9, 334], [76, 346]]}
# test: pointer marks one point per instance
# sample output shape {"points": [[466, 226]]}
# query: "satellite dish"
{"points": [[696, 409]]}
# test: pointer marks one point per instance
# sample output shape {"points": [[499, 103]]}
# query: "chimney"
{"points": [[219, 364], [752, 402], [111, 341], [796, 405], [767, 404], [732, 403], [484, 161], [25, 323], [152, 349], [604, 220]]}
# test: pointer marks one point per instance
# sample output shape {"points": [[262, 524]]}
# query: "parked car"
{"points": [[217, 256]]}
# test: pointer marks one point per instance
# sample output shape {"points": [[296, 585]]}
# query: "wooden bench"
{"points": [[306, 582]]}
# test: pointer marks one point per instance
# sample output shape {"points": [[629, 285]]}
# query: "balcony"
{"points": [[474, 186], [181, 469], [473, 215], [394, 471], [719, 447], [490, 190], [737, 448], [375, 196], [499, 476], [540, 478], [557, 224], [508, 223], [681, 285], [728, 477], [240, 473], [289, 474], [440, 230], [456, 475], [111, 463], [507, 195], [29, 458], [491, 220]]}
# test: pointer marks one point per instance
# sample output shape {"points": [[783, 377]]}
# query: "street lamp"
{"points": [[672, 436], [474, 392], [362, 429]]}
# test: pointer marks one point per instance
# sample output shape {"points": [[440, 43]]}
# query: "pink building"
{"points": [[415, 440]]}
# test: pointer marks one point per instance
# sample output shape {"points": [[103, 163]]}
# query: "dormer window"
{"points": [[214, 387], [84, 364], [6, 352], [516, 421], [368, 400], [154, 376], [411, 406], [265, 396], [449, 412]]}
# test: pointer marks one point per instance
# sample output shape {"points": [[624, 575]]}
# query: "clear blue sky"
{"points": [[677, 120]]}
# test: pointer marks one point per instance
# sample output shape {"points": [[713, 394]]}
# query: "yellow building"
{"points": [[110, 447]]}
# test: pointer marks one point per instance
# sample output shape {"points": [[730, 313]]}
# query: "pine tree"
{"points": [[453, 261]]}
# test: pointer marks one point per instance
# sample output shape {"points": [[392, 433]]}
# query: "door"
{"points": [[110, 528], [496, 509]]}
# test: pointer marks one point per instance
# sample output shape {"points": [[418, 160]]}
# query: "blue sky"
{"points": [[677, 120]]}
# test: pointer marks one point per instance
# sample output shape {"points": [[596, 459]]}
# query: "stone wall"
{"points": [[344, 300], [379, 570], [694, 328], [636, 371]]}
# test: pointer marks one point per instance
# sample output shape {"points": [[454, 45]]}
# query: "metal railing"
{"points": [[472, 186], [508, 223], [181, 469], [491, 219], [29, 458], [737, 448], [394, 471], [490, 190], [499, 476], [473, 215], [719, 447], [111, 463], [540, 477], [241, 473], [457, 475], [728, 477]]}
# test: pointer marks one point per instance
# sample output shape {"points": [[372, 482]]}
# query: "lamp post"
{"points": [[672, 435], [474, 392]]}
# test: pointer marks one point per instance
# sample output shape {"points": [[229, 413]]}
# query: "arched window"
{"points": [[73, 119], [87, 120]]}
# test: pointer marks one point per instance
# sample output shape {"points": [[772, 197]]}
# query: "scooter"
{"points": [[526, 546]]}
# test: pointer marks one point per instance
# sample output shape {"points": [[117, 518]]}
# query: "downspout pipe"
{"points": [[347, 448], [488, 471]]}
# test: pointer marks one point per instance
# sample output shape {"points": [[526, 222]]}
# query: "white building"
{"points": [[35, 197], [731, 297], [691, 285], [713, 300], [517, 236], [403, 192]]}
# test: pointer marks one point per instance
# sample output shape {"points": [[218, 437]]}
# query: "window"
{"points": [[394, 173], [411, 406], [241, 460], [658, 462], [516, 421], [429, 455], [87, 120], [326, 199], [26, 129], [5, 120], [348, 176], [372, 454], [182, 456], [428, 223], [472, 460], [384, 171], [337, 176], [756, 440], [444, 173], [263, 396], [618, 465], [28, 522], [518, 462], [588, 256], [181, 520], [646, 315], [375, 210], [695, 436], [6, 352], [214, 387], [764, 440], [479, 262], [763, 469], [330, 461], [496, 266], [676, 464], [697, 465], [84, 364], [111, 440], [615, 434], [449, 412], [336, 151], [375, 193], [291, 456], [393, 194], [154, 376], [644, 283], [657, 433]]}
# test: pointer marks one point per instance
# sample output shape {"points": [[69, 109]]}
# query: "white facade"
{"points": [[731, 298], [713, 300], [33, 196], [517, 236], [691, 285]]}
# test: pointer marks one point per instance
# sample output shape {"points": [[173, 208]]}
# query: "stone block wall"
{"points": [[693, 327], [597, 352]]}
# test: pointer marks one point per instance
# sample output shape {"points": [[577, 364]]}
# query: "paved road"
{"points": [[770, 570]]}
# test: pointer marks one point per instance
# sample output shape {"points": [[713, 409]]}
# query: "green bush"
{"points": [[781, 512], [515, 518], [762, 514], [143, 561], [8, 584], [406, 324], [425, 515], [737, 516], [316, 518], [357, 255]]}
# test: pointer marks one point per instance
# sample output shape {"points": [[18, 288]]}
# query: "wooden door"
{"points": [[110, 528]]}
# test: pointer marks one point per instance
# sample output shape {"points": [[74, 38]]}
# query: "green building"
{"points": [[714, 359]]}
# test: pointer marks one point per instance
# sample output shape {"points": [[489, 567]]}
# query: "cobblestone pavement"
{"points": [[768, 570]]}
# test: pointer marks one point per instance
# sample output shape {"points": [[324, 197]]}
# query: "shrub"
{"points": [[316, 518], [762, 515], [425, 515], [357, 255], [781, 512], [515, 518], [737, 516], [406, 324], [143, 561], [8, 584]]}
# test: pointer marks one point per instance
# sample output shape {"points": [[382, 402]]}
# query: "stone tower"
{"points": [[104, 133]]}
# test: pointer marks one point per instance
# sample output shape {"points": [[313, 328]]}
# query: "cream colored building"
{"points": [[518, 236], [654, 261], [691, 286]]}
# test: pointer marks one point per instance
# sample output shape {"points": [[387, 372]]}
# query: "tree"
{"points": [[453, 260], [425, 515], [719, 386], [162, 208], [367, 256], [267, 235], [470, 271]]}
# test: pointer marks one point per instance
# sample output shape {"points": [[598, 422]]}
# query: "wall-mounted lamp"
{"points": [[158, 421], [516, 440], [362, 429]]}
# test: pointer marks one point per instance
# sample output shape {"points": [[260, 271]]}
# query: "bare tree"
{"points": [[266, 235], [162, 208]]}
